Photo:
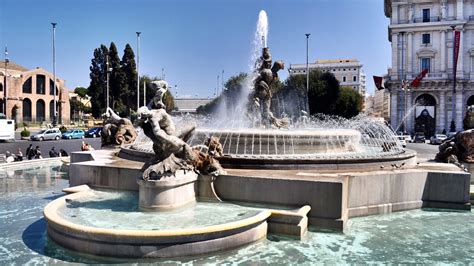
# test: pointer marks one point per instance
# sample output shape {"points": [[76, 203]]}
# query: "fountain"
{"points": [[204, 188]]}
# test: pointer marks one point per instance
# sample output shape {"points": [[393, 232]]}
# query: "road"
{"points": [[68, 145], [424, 150]]}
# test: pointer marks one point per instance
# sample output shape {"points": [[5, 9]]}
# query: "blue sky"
{"points": [[193, 40]]}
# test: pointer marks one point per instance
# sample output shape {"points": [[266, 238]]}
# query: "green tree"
{"points": [[349, 103], [128, 92], [97, 86], [81, 92], [117, 80], [234, 90]]}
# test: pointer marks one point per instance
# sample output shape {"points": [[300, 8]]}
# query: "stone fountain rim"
{"points": [[53, 219], [331, 132]]}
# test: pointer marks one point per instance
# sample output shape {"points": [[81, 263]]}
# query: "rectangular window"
{"points": [[426, 38], [426, 15], [40, 84], [426, 64]]}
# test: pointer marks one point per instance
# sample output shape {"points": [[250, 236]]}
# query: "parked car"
{"points": [[73, 134], [402, 141], [47, 134], [93, 132], [419, 137], [452, 134], [438, 138], [407, 138]]}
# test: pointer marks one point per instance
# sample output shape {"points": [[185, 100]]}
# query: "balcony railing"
{"points": [[430, 19]]}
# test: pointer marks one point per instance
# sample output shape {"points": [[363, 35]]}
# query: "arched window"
{"points": [[26, 109], [51, 88], [27, 86], [40, 84], [51, 110], [40, 111], [470, 101]]}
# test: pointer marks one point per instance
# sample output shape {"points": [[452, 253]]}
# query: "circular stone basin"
{"points": [[110, 224]]}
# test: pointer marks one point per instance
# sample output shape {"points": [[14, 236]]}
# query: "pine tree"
{"points": [[97, 87], [116, 80], [128, 93]]}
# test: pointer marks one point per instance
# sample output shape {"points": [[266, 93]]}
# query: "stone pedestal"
{"points": [[168, 193]]}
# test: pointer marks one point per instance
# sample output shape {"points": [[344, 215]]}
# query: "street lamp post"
{"points": [[107, 75], [403, 83], [222, 79], [453, 98], [138, 69], [307, 72], [55, 113], [5, 84]]}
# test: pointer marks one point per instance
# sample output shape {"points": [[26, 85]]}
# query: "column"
{"points": [[410, 54], [441, 113], [395, 56], [459, 108], [443, 62], [394, 109], [460, 70], [459, 10], [409, 113]]}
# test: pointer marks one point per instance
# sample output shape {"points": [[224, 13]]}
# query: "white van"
{"points": [[7, 129]]}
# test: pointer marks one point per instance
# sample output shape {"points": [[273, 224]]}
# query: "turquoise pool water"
{"points": [[406, 237], [107, 209]]}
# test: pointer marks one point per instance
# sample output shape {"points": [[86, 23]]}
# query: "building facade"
{"points": [[382, 104], [421, 36], [348, 72], [28, 95], [189, 105]]}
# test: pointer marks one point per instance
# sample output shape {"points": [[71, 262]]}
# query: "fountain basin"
{"points": [[168, 193], [92, 237]]}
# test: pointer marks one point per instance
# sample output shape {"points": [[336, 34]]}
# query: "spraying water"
{"points": [[234, 115]]}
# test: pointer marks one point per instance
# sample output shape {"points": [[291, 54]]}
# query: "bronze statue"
{"points": [[459, 148], [261, 97], [172, 153], [117, 130], [468, 121]]}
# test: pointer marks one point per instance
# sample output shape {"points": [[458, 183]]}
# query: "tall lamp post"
{"points": [[307, 72], [107, 75], [138, 69], [55, 113], [453, 98], [5, 84], [402, 127]]}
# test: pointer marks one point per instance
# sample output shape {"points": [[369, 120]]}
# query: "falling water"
{"points": [[236, 116], [409, 112]]}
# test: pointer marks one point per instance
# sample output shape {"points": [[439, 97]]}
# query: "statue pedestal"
{"points": [[168, 193]]}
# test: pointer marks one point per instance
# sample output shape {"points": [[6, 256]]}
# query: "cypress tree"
{"points": [[97, 87], [128, 93], [116, 80]]}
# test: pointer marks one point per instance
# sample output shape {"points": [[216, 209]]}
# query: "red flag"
{"points": [[457, 39], [378, 82], [416, 82]]}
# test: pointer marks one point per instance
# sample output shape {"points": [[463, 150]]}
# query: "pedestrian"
{"points": [[63, 153], [83, 146], [19, 155], [53, 153], [38, 153], [30, 152], [9, 157]]}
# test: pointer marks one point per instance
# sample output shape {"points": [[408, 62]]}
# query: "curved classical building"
{"points": [[28, 95], [421, 35]]}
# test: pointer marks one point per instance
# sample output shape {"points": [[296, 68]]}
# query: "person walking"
{"points": [[30, 152]]}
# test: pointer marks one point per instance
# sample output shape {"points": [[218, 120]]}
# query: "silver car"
{"points": [[438, 139], [47, 134]]}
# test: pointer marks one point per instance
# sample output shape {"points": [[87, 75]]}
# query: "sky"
{"points": [[192, 40]]}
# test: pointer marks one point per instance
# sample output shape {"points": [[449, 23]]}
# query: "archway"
{"points": [[26, 109], [40, 110], [425, 114], [1, 107], [470, 101]]}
